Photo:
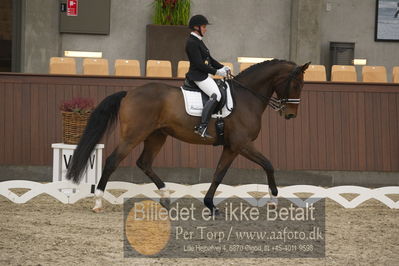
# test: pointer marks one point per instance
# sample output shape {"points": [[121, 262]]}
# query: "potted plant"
{"points": [[166, 37], [75, 114], [171, 12]]}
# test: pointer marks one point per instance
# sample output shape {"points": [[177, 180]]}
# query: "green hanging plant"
{"points": [[171, 12]]}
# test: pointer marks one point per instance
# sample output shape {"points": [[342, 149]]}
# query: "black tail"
{"points": [[103, 117]]}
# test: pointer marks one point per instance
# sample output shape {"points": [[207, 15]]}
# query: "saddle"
{"points": [[190, 85], [195, 98]]}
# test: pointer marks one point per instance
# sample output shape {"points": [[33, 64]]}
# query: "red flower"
{"points": [[78, 105], [169, 3]]}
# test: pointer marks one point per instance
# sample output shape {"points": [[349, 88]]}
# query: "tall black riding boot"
{"points": [[209, 107]]}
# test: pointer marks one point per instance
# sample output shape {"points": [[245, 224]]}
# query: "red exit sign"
{"points": [[72, 7]]}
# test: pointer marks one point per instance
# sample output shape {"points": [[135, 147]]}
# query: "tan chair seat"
{"points": [[395, 74], [244, 66], [374, 74], [62, 65], [315, 73], [182, 68], [125, 67], [159, 68], [95, 66], [343, 73]]}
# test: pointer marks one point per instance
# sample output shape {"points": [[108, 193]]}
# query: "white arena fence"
{"points": [[69, 193]]}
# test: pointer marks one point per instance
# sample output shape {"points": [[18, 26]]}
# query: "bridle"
{"points": [[275, 103]]}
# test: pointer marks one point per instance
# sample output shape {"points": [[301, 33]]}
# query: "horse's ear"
{"points": [[305, 66]]}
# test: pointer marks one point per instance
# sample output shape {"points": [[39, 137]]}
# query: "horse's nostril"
{"points": [[289, 116]]}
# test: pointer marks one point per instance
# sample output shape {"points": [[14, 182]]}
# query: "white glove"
{"points": [[227, 68], [221, 72]]}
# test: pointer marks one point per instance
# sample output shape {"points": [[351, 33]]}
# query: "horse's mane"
{"points": [[255, 67]]}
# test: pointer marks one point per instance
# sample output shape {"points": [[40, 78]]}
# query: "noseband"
{"points": [[275, 103], [280, 104]]}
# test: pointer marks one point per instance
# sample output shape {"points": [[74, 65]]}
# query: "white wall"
{"points": [[354, 21], [259, 28], [253, 28], [127, 33], [256, 28], [228, 37], [40, 39]]}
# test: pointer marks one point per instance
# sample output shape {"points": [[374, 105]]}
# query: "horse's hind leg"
{"points": [[252, 154], [111, 164], [152, 146], [224, 163]]}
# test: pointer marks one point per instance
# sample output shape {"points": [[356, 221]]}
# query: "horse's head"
{"points": [[288, 87]]}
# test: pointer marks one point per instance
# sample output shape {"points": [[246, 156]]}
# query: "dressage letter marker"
{"points": [[62, 157]]}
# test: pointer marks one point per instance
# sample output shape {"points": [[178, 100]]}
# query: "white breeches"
{"points": [[209, 87]]}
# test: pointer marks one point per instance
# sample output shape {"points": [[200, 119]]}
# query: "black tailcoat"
{"points": [[201, 62]]}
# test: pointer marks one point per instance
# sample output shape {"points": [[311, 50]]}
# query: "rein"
{"points": [[257, 94], [275, 103]]}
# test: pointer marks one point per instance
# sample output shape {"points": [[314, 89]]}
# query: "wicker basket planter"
{"points": [[73, 125]]}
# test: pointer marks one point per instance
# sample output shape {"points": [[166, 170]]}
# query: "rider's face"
{"points": [[203, 29]]}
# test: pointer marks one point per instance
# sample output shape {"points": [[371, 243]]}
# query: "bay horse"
{"points": [[154, 111]]}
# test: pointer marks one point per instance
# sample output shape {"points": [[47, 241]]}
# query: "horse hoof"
{"points": [[165, 202], [98, 210]]}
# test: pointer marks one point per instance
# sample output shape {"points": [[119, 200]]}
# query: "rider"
{"points": [[201, 65]]}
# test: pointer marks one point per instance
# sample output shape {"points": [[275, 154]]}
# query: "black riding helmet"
{"points": [[197, 20]]}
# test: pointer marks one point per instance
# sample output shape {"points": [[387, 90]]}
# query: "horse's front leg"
{"points": [[249, 152], [224, 163]]}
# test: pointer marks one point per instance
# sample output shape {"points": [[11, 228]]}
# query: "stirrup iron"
{"points": [[202, 131]]}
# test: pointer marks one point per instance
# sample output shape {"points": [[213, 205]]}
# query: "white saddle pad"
{"points": [[194, 105]]}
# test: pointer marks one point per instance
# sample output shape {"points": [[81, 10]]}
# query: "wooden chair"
{"points": [[374, 74], [182, 68], [315, 73], [125, 67], [159, 68], [225, 64], [95, 66], [62, 65], [343, 73], [395, 74]]}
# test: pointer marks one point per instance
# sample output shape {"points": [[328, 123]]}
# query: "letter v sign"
{"points": [[67, 162], [92, 160]]}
